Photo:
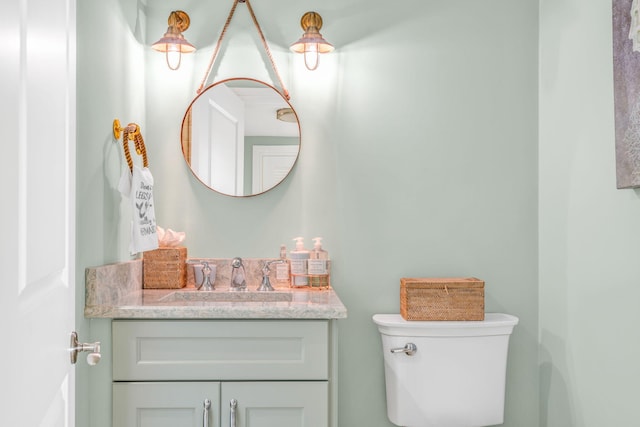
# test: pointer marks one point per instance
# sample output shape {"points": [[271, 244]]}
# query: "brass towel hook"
{"points": [[131, 133], [131, 128]]}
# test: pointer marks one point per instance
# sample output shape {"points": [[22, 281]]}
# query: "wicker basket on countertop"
{"points": [[165, 268], [442, 298]]}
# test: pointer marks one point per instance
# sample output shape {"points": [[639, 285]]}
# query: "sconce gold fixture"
{"points": [[311, 44], [173, 42]]}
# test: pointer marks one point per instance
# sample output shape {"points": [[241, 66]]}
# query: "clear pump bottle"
{"points": [[318, 265], [318, 258], [298, 259]]}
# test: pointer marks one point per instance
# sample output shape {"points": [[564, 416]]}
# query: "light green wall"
{"points": [[589, 293], [419, 158], [110, 84]]}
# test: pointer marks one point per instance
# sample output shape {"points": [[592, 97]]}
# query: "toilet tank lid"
{"points": [[493, 324]]}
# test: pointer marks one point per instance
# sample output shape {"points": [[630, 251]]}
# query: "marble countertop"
{"points": [[115, 291]]}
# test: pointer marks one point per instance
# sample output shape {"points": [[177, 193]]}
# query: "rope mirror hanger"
{"points": [[285, 92]]}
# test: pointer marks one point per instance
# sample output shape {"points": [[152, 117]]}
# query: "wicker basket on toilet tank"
{"points": [[442, 298]]}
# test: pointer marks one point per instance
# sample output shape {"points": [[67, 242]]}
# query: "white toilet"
{"points": [[445, 374]]}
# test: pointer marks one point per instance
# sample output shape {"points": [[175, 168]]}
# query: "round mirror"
{"points": [[240, 137]]}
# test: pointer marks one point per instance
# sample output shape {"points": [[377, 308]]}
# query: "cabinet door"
{"points": [[275, 404], [162, 404]]}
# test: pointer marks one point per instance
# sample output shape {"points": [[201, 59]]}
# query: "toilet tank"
{"points": [[455, 378]]}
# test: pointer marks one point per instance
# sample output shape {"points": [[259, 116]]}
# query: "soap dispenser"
{"points": [[298, 258], [318, 265], [318, 252]]}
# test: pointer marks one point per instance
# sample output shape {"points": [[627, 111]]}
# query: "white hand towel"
{"points": [[138, 187]]}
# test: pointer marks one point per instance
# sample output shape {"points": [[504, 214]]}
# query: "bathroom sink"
{"points": [[227, 296]]}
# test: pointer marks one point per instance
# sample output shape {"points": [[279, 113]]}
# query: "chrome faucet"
{"points": [[238, 275], [266, 284]]}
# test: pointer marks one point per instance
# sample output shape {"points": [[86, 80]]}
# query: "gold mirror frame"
{"points": [[221, 163]]}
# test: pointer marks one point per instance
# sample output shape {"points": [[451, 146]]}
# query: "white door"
{"points": [[37, 182], [217, 149], [271, 164], [227, 151]]}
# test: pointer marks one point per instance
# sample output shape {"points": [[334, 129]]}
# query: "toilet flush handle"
{"points": [[409, 349]]}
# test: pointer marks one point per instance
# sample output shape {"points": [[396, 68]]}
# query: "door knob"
{"points": [[75, 347]]}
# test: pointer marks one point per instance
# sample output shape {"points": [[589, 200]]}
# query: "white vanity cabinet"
{"points": [[277, 373]]}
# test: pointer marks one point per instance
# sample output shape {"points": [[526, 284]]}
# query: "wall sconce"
{"points": [[173, 42], [311, 44]]}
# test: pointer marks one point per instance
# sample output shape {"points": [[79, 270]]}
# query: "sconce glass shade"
{"points": [[173, 42], [311, 44]]}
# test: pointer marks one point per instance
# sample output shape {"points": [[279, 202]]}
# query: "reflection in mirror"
{"points": [[240, 137]]}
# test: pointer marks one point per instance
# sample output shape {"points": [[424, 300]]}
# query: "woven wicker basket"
{"points": [[442, 298], [165, 268]]}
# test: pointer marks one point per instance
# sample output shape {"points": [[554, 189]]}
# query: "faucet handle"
{"points": [[267, 264], [204, 276], [266, 283]]}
